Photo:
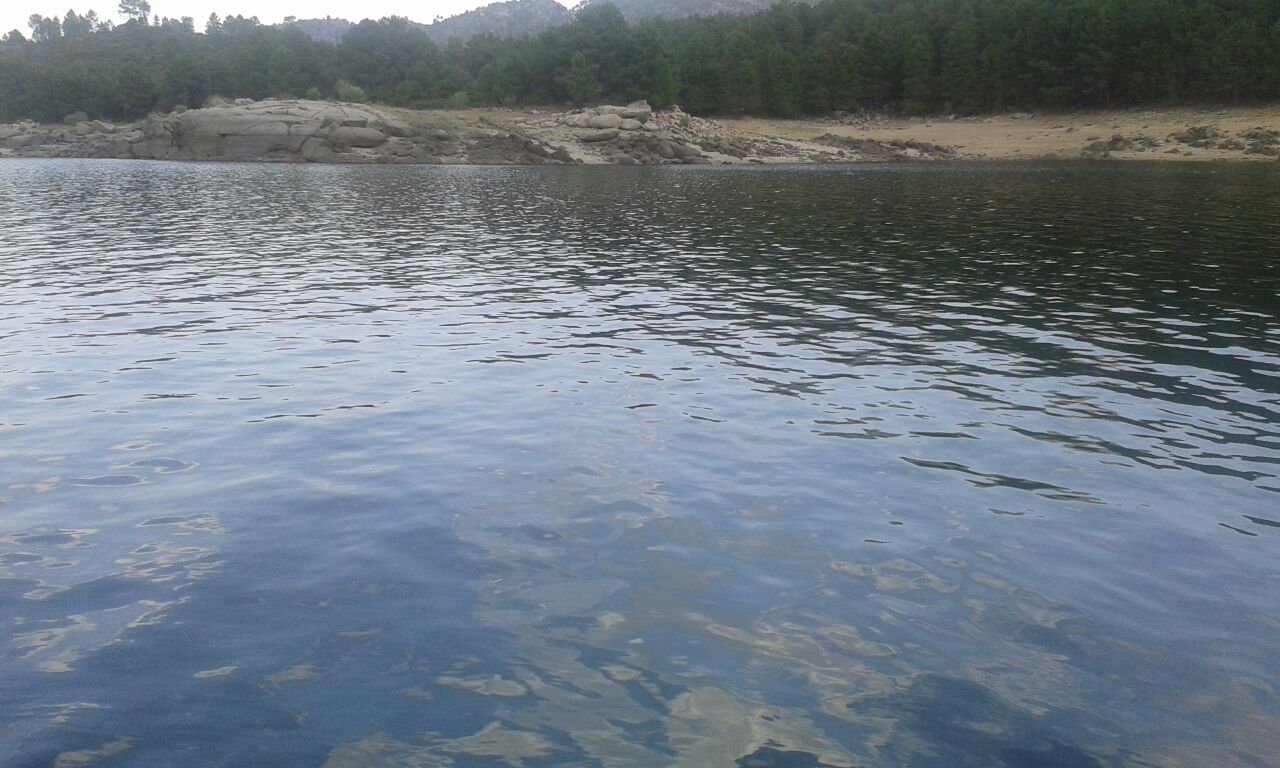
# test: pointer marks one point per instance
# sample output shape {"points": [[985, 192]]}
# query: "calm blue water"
{"points": [[884, 466]]}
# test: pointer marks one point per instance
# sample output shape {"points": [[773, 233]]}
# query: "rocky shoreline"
{"points": [[268, 131], [303, 131]]}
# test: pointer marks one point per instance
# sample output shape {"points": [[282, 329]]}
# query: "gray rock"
{"points": [[357, 137], [258, 145], [399, 148], [681, 151], [397, 128], [157, 128], [536, 149], [628, 124], [315, 150], [23, 141], [241, 134], [638, 110], [281, 130], [267, 128], [151, 149], [305, 129], [601, 136], [605, 121]]}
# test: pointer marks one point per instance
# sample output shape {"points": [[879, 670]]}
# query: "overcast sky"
{"points": [[14, 13]]}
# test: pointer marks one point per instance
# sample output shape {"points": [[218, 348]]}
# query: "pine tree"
{"points": [[780, 82], [135, 92], [917, 73], [579, 80], [961, 75], [75, 26], [44, 29], [741, 90], [135, 10]]}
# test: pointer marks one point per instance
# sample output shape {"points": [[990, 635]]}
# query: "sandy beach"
{"points": [[1146, 134]]}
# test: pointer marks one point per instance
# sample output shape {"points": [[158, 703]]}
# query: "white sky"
{"points": [[14, 13]]}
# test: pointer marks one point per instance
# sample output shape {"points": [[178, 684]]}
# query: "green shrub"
{"points": [[75, 117], [348, 92], [314, 94], [216, 101], [459, 100]]}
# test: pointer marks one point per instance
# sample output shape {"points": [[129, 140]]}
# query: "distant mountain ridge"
{"points": [[510, 19], [640, 10], [525, 18], [514, 18]]}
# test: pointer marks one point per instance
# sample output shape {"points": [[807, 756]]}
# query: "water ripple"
{"points": [[447, 466]]}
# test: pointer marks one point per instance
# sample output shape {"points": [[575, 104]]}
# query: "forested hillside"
{"points": [[911, 56]]}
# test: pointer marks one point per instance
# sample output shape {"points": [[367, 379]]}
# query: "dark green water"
{"points": [[884, 466]]}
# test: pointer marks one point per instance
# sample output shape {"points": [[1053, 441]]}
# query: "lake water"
{"points": [[944, 466]]}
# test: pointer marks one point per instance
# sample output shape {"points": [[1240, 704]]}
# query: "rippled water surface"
{"points": [[890, 466]]}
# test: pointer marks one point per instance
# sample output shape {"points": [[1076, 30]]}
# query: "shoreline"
{"points": [[1148, 135], [301, 131]]}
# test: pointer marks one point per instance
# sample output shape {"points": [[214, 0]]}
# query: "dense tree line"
{"points": [[911, 56]]}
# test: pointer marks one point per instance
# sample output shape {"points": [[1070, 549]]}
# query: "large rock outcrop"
{"points": [[607, 117], [278, 130], [272, 130]]}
